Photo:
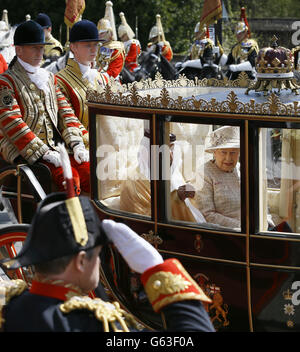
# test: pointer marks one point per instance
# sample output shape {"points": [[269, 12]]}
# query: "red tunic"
{"points": [[133, 50], [111, 58], [3, 64], [166, 49], [116, 64]]}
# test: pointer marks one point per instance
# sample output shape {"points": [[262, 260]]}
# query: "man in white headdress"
{"points": [[157, 38], [111, 54], [132, 46]]}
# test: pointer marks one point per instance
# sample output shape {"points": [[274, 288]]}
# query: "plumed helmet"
{"points": [[157, 30], [61, 227], [107, 23], [44, 20], [154, 32], [84, 31], [104, 25], [243, 25], [29, 33], [124, 27], [3, 26]]}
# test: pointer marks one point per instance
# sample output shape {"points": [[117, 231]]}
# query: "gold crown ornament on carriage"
{"points": [[275, 70]]}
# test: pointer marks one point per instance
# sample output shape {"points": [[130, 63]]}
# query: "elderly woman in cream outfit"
{"points": [[218, 183]]}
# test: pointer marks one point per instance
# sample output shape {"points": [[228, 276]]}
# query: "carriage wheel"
{"points": [[11, 240]]}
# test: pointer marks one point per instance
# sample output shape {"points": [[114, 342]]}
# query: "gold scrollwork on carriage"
{"points": [[132, 95], [153, 239]]}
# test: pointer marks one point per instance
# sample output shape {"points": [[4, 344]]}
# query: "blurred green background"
{"points": [[266, 17]]}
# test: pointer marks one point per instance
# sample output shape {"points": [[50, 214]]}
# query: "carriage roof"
{"points": [[207, 95]]}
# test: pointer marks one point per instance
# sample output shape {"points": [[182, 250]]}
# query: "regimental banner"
{"points": [[74, 9], [211, 12]]}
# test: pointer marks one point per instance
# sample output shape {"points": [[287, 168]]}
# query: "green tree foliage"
{"points": [[265, 8], [179, 17]]}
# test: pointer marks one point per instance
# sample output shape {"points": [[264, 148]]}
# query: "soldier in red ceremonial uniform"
{"points": [[64, 251], [157, 38], [111, 54], [132, 46], [3, 64], [79, 76], [35, 115], [244, 53], [204, 49]]}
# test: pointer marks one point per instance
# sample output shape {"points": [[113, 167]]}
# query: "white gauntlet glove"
{"points": [[81, 154], [139, 254], [192, 63], [244, 66], [53, 157]]}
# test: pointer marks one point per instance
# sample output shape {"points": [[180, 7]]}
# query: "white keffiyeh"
{"points": [[39, 76]]}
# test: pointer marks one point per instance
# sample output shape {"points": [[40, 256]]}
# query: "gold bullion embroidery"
{"points": [[165, 283], [108, 313]]}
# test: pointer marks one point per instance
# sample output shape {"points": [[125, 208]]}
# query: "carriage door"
{"points": [[275, 233], [201, 218], [123, 190]]}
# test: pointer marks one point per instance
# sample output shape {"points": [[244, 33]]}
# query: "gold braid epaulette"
{"points": [[108, 313], [8, 290], [168, 283]]}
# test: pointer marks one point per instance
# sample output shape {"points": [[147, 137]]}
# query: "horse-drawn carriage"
{"points": [[251, 272]]}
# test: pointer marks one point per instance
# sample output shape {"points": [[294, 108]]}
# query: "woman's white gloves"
{"points": [[139, 254]]}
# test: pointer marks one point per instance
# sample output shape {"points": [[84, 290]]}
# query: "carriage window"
{"points": [[204, 183], [123, 165], [279, 180]]}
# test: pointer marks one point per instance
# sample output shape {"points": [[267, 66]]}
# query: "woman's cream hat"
{"points": [[224, 137]]}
